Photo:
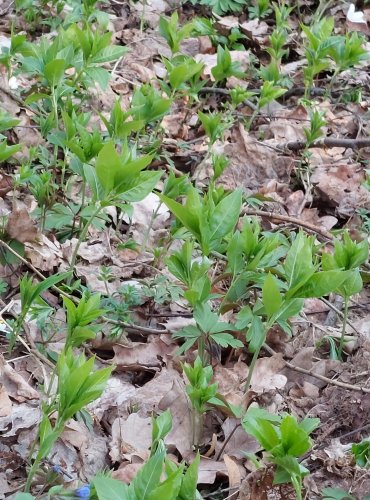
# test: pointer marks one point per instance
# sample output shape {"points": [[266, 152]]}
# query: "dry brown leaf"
{"points": [[130, 436], [209, 469], [176, 401], [267, 374], [5, 402], [45, 255], [20, 226], [23, 416], [239, 443], [141, 356], [341, 187], [126, 472], [6, 184], [252, 164], [235, 471], [15, 384]]}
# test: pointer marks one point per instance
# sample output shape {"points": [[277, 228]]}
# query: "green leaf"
{"points": [[162, 425], [108, 164], [168, 488], [298, 264], [148, 476], [99, 75], [54, 72], [144, 184], [189, 482], [226, 340], [271, 297], [336, 494], [321, 284], [24, 496], [110, 53], [225, 216], [111, 489]]}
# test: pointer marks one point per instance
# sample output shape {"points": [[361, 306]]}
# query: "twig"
{"points": [[291, 220], [339, 312], [327, 142], [343, 385], [219, 454], [135, 328]]}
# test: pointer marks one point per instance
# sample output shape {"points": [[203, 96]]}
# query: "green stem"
{"points": [[344, 326], [254, 359], [81, 238], [149, 228], [197, 421]]}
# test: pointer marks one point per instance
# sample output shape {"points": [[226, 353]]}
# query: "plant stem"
{"points": [[81, 238], [344, 326], [251, 369], [197, 421], [255, 357]]}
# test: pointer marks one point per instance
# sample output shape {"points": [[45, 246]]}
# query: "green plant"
{"points": [[78, 385], [225, 67], [214, 125], [285, 439], [171, 31], [221, 7], [208, 330], [315, 131], [201, 393], [117, 179], [282, 300], [347, 255], [158, 478], [207, 219], [31, 293], [260, 9], [361, 451], [336, 494]]}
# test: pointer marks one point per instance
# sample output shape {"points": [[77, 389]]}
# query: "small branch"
{"points": [[291, 220], [227, 439], [327, 142], [135, 328], [330, 381]]}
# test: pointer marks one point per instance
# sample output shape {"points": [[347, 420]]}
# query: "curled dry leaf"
{"points": [[21, 227], [15, 384], [44, 254], [341, 187], [235, 471]]}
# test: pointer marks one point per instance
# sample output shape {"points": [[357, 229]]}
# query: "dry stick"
{"points": [[327, 142], [339, 312], [291, 220], [219, 454], [343, 385]]}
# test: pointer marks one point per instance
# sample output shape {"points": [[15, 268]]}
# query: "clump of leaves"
{"points": [[285, 439]]}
